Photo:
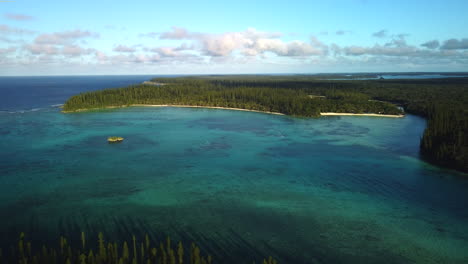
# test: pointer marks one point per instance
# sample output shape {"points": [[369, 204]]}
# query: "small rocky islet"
{"points": [[115, 139]]}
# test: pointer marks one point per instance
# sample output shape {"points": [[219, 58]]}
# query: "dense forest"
{"points": [[253, 96], [441, 101]]}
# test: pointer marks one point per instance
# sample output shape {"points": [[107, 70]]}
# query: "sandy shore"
{"points": [[210, 107], [351, 114], [171, 105], [229, 108], [153, 83]]}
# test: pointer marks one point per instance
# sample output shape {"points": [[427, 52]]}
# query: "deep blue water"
{"points": [[420, 76], [398, 76], [31, 93], [242, 184]]}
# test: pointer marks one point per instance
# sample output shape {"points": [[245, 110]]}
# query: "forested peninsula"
{"points": [[441, 101]]}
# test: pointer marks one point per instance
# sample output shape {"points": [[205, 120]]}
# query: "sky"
{"points": [[101, 37]]}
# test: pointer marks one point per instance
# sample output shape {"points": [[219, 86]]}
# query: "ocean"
{"points": [[242, 185]]}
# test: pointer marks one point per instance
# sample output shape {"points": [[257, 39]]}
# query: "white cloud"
{"points": [[18, 17], [250, 42], [123, 48], [292, 49], [167, 51], [54, 47], [182, 48], [5, 29], [38, 49], [100, 56], [75, 51], [7, 50], [224, 44], [176, 33], [64, 37]]}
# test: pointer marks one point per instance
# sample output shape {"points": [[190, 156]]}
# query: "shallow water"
{"points": [[242, 184]]}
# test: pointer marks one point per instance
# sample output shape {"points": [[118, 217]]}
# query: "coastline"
{"points": [[171, 105], [211, 107], [351, 114], [229, 108]]}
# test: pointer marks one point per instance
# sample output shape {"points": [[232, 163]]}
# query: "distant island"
{"points": [[441, 101]]}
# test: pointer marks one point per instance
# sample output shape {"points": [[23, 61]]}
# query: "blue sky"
{"points": [[202, 37]]}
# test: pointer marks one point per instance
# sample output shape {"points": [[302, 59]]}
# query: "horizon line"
{"points": [[234, 74]]}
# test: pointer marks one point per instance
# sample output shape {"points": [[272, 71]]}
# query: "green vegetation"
{"points": [[445, 140], [143, 252], [442, 101], [252, 96]]}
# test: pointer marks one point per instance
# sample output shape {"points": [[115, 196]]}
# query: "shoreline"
{"points": [[229, 108], [171, 105], [351, 114], [210, 107]]}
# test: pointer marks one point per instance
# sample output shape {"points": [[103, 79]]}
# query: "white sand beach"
{"points": [[351, 114]]}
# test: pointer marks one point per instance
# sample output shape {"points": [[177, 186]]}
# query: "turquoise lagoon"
{"points": [[242, 185]]}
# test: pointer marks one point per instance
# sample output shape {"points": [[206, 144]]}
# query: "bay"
{"points": [[242, 185]]}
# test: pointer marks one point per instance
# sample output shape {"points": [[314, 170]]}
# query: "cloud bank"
{"points": [[181, 48], [250, 42]]}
